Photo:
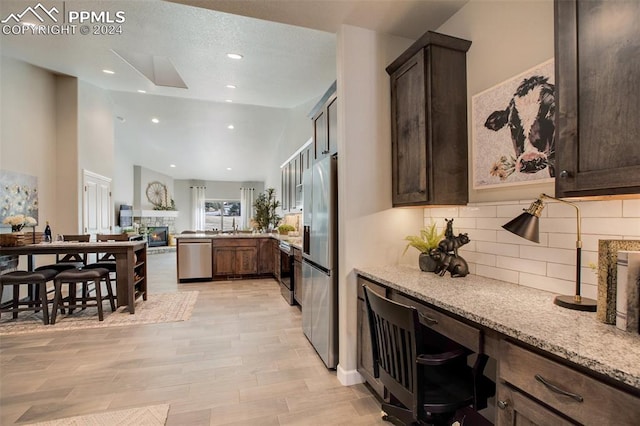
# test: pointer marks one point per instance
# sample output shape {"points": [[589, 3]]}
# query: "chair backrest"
{"points": [[112, 237], [103, 238], [408, 357], [395, 334], [74, 257]]}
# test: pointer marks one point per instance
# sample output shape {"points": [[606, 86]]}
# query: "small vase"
{"points": [[427, 263]]}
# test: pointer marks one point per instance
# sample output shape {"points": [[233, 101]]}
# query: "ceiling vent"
{"points": [[158, 69]]}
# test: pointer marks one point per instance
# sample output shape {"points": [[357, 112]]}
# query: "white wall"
{"points": [[508, 37], [370, 231], [297, 132], [142, 178], [28, 129]]}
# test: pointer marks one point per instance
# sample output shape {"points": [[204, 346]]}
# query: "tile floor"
{"points": [[241, 359]]}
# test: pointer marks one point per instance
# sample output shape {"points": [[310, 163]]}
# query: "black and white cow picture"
{"points": [[530, 115]]}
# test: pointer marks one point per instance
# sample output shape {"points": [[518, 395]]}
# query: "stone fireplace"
{"points": [[160, 222]]}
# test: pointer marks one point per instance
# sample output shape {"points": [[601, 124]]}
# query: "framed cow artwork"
{"points": [[513, 130]]}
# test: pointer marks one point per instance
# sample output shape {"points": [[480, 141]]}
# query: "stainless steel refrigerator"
{"points": [[320, 259]]}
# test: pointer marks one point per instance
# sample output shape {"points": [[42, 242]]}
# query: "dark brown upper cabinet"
{"points": [[429, 122], [325, 124], [597, 52]]}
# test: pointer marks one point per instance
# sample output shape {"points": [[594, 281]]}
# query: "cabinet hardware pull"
{"points": [[428, 320], [565, 174], [556, 389], [503, 404]]}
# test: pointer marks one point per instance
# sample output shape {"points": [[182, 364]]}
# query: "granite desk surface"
{"points": [[525, 314]]}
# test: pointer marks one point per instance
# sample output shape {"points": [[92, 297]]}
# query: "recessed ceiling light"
{"points": [[155, 120], [172, 165], [108, 72], [228, 168], [228, 100], [230, 126], [142, 91], [230, 86], [234, 55]]}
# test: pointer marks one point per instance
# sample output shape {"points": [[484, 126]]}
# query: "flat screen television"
{"points": [[126, 216]]}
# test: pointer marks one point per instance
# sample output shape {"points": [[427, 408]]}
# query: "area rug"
{"points": [[153, 415], [163, 307]]}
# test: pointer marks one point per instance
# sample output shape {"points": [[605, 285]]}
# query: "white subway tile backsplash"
{"points": [[478, 211], [497, 273], [631, 208], [554, 285], [549, 265], [612, 226], [479, 258], [448, 212], [554, 224], [548, 254], [498, 248], [518, 264], [482, 234], [509, 238], [565, 272], [491, 223]]}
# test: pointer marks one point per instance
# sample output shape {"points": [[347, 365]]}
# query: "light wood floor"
{"points": [[242, 359]]}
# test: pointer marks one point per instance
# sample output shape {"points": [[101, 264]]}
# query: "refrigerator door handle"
{"points": [[306, 231]]}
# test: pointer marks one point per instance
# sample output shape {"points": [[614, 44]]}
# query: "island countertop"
{"points": [[525, 314]]}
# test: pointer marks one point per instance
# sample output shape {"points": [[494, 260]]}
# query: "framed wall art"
{"points": [[513, 130], [18, 195]]}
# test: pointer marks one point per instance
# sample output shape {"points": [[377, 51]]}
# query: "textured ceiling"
{"points": [[289, 59]]}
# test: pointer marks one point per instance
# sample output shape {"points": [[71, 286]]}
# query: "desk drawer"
{"points": [[376, 288], [459, 332], [592, 403]]}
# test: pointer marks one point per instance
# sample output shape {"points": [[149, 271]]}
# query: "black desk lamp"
{"points": [[526, 226]]}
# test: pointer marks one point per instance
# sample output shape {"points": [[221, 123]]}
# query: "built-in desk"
{"points": [[131, 269], [528, 336]]}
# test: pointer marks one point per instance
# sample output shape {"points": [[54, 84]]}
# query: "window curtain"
{"points": [[197, 207], [246, 207]]}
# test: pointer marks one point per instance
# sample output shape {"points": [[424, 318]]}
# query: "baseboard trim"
{"points": [[348, 377]]}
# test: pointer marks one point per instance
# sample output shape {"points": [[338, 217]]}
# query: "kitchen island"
{"points": [[541, 349]]}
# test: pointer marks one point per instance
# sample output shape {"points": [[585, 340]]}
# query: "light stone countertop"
{"points": [[293, 241], [525, 314]]}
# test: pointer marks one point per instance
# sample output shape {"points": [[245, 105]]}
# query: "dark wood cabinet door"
{"points": [[265, 256], [224, 260], [429, 123], [332, 126], [246, 261], [515, 409], [319, 135], [597, 55], [409, 132]]}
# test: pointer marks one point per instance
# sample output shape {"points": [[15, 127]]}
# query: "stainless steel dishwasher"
{"points": [[195, 260]]}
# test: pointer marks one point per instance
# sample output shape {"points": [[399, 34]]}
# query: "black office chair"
{"points": [[426, 374]]}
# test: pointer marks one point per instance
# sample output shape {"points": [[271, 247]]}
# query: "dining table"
{"points": [[130, 258]]}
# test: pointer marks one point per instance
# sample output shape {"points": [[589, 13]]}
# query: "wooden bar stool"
{"points": [[83, 276], [36, 278]]}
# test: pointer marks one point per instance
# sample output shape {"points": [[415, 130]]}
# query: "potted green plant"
{"points": [[285, 229], [265, 205], [427, 240]]}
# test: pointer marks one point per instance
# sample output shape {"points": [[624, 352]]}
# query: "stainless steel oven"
{"points": [[286, 272]]}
